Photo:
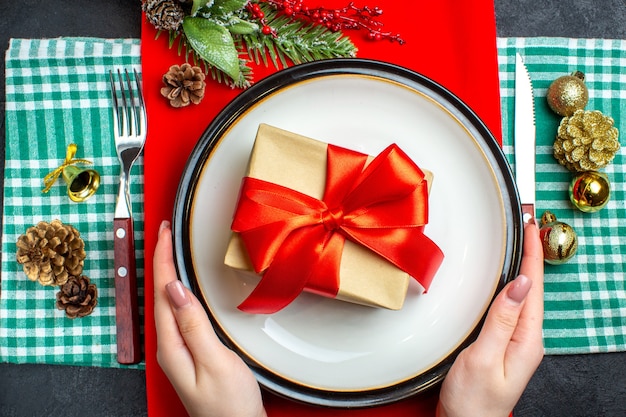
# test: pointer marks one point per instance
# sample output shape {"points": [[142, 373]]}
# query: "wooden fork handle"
{"points": [[126, 310]]}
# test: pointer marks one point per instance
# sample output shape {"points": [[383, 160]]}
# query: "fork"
{"points": [[129, 123]]}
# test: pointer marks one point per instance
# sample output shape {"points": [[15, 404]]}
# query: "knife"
{"points": [[524, 136]]}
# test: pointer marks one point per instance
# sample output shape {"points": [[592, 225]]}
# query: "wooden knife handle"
{"points": [[126, 310], [528, 213]]}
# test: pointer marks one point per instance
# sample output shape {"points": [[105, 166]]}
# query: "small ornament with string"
{"points": [[82, 183]]}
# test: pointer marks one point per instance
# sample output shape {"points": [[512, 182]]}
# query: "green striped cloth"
{"points": [[57, 93], [585, 299]]}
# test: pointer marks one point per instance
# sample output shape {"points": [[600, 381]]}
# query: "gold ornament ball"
{"points": [[567, 94], [559, 240], [590, 191]]}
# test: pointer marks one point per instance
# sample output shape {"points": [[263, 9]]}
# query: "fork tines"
{"points": [[129, 115]]}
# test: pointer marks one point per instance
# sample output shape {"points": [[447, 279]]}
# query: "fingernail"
{"points": [[164, 225], [178, 295], [519, 289]]}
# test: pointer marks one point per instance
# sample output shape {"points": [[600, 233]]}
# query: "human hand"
{"points": [[489, 376], [210, 379]]}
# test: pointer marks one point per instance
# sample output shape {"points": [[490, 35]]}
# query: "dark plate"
{"points": [[324, 351]]}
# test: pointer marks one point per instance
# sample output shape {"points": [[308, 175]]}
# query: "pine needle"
{"points": [[296, 41]]}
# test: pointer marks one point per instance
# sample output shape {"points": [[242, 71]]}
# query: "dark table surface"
{"points": [[572, 385]]}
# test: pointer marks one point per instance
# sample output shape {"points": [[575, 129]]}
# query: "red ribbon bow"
{"points": [[296, 240]]}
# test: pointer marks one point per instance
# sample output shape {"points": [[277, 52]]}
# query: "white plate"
{"points": [[325, 351]]}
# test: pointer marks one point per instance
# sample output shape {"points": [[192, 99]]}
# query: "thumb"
{"points": [[193, 324], [503, 317]]}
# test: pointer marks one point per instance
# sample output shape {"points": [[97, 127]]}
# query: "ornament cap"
{"points": [[547, 217]]}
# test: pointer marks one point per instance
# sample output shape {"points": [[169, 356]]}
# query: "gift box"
{"points": [[302, 224]]}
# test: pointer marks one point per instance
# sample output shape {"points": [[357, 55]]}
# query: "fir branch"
{"points": [[295, 40]]}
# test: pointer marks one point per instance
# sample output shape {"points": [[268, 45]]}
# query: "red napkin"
{"points": [[449, 41]]}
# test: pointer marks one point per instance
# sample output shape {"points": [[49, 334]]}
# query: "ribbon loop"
{"points": [[296, 241]]}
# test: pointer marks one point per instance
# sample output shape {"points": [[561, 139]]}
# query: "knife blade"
{"points": [[524, 137]]}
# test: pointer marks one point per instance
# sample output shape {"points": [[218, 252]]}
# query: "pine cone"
{"points": [[183, 85], [51, 252], [586, 141], [164, 14], [78, 297]]}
